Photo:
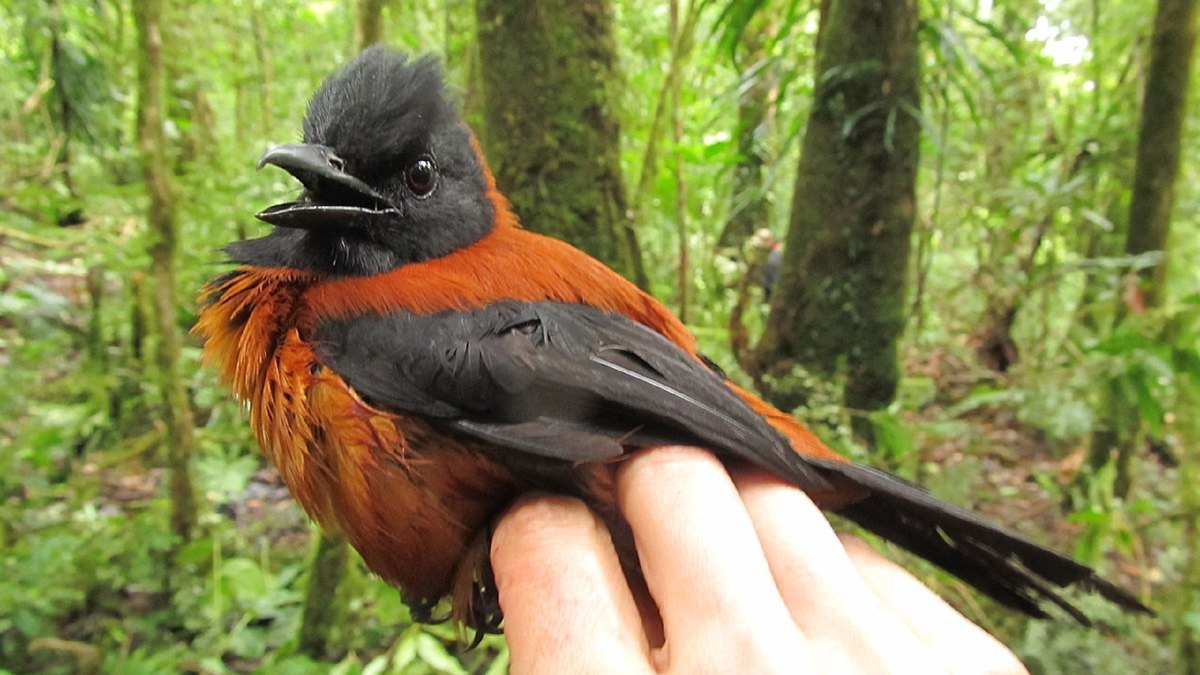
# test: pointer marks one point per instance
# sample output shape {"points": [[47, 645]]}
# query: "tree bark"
{"points": [[1156, 170], [163, 241], [682, 272], [368, 23], [838, 308], [549, 72], [65, 114], [1187, 645], [1164, 108], [321, 609]]}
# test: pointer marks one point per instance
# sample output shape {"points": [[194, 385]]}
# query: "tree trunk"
{"points": [[549, 72], [266, 67], [163, 241], [97, 345], [65, 114], [198, 139], [368, 23], [1164, 108], [838, 308], [321, 609], [1187, 644], [682, 272]]}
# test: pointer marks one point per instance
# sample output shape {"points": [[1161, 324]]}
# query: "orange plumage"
{"points": [[412, 360]]}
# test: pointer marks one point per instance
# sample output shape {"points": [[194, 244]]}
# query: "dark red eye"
{"points": [[421, 176]]}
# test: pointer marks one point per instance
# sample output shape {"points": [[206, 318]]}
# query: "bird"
{"points": [[413, 360]]}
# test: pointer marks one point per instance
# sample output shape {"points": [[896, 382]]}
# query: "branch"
{"points": [[739, 335], [44, 242]]}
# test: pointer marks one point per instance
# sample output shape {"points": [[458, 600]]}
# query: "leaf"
{"points": [[434, 653], [244, 579], [347, 666], [982, 398], [732, 22], [376, 666], [1122, 341], [997, 33], [1149, 408], [1192, 621], [195, 552], [405, 650], [892, 436], [1096, 218], [224, 476]]}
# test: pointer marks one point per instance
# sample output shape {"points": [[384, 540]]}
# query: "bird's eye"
{"points": [[421, 176]]}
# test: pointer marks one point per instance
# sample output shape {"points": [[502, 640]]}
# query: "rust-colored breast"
{"points": [[408, 499]]}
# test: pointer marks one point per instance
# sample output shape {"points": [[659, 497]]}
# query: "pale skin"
{"points": [[748, 577]]}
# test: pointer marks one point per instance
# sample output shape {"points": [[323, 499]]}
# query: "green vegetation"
{"points": [[1048, 366]]}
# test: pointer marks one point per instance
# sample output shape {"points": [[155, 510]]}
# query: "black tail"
{"points": [[1001, 564]]}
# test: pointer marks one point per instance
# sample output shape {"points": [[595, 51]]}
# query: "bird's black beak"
{"points": [[332, 197]]}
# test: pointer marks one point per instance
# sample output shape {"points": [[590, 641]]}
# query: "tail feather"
{"points": [[1001, 564]]}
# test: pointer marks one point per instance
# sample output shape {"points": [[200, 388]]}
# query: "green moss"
{"points": [[839, 308], [548, 71]]}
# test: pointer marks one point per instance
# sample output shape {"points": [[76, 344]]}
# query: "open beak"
{"points": [[332, 198]]}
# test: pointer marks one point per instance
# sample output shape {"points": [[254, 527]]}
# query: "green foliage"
{"points": [[1026, 164], [1047, 649]]}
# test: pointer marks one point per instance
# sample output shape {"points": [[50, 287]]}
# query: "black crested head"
{"points": [[378, 105], [389, 171]]}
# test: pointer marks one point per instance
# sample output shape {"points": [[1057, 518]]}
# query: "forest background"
{"points": [[989, 283]]}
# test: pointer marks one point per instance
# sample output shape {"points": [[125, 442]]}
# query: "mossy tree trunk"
{"points": [[368, 23], [549, 70], [163, 241], [1186, 644], [187, 97], [1160, 136], [838, 308], [683, 264], [321, 609], [1164, 108], [65, 109], [1188, 599]]}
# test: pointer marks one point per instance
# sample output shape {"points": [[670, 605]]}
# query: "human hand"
{"points": [[747, 575]]}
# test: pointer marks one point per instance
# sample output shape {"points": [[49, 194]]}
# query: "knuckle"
{"points": [[660, 463], [749, 649], [530, 518], [776, 493]]}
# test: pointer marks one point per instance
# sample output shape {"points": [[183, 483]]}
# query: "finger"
{"points": [[703, 563], [850, 629], [965, 649], [567, 608]]}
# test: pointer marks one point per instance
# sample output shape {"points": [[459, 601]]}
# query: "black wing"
{"points": [[567, 382], [576, 384]]}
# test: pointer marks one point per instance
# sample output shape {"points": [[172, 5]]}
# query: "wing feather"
{"points": [[568, 382]]}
